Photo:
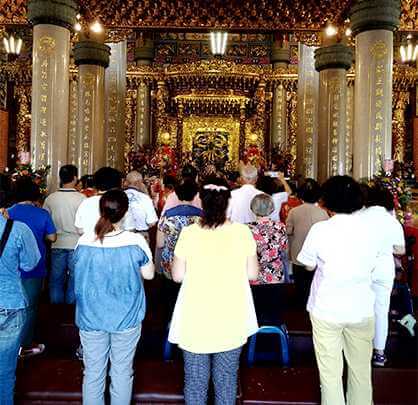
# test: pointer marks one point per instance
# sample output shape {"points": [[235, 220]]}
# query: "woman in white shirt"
{"points": [[389, 232], [344, 252]]}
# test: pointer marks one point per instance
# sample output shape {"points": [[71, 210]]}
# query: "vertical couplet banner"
{"points": [[307, 133], [373, 102], [115, 93], [50, 97]]}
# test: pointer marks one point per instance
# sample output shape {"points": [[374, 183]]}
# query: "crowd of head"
{"points": [[225, 248]]}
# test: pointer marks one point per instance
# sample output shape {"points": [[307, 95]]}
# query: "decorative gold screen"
{"points": [[212, 137]]}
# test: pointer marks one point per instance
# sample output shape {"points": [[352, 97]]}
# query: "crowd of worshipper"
{"points": [[224, 247]]}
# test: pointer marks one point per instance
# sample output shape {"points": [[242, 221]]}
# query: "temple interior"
{"points": [[309, 88]]}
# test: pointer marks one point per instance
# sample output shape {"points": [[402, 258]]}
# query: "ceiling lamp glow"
{"points": [[409, 51], [330, 31], [96, 27], [12, 45], [218, 42]]}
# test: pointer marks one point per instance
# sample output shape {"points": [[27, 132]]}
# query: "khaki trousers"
{"points": [[355, 343]]}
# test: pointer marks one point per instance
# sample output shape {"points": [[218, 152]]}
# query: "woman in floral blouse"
{"points": [[169, 227], [272, 243]]}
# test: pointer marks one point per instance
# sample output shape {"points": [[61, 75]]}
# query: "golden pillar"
{"points": [[307, 130], [115, 95], [373, 23], [52, 20], [92, 58], [280, 57], [242, 120], [332, 62], [179, 138], [144, 55]]}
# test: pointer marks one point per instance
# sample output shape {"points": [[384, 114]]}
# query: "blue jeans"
{"points": [[62, 273], [100, 347], [12, 322], [33, 289]]}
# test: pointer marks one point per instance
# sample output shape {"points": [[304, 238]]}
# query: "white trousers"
{"points": [[381, 312]]}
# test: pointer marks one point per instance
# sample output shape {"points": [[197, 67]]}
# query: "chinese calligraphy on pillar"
{"points": [[307, 135], [279, 127], [143, 115], [46, 46], [349, 130], [115, 92], [379, 51], [335, 96], [73, 120], [87, 89]]}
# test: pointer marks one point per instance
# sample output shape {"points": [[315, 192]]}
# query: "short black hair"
{"points": [[186, 189], [67, 173], [342, 195], [169, 181], [380, 196], [310, 191], [268, 185], [87, 181], [188, 171], [107, 178], [26, 190]]}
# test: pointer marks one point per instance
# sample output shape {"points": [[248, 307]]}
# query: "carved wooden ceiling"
{"points": [[241, 15]]}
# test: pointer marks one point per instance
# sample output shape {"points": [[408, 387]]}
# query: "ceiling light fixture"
{"points": [[12, 45], [348, 32], [77, 27], [408, 50], [218, 40]]}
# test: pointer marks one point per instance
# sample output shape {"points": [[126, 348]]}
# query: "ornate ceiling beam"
{"points": [[179, 81], [245, 15]]}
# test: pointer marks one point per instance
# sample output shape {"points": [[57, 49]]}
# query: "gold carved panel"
{"points": [[194, 126]]}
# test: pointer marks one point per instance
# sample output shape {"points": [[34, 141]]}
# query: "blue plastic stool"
{"points": [[274, 330]]}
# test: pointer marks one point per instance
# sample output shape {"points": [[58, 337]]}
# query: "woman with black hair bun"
{"points": [[214, 312], [109, 265]]}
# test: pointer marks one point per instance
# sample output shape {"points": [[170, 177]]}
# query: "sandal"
{"points": [[33, 351]]}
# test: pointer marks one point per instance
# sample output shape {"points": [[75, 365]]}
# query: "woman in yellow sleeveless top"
{"points": [[214, 313]]}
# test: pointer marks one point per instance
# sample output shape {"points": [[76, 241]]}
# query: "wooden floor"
{"points": [[55, 377]]}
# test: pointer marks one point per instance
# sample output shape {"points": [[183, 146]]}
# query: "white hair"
{"points": [[248, 172], [133, 177]]}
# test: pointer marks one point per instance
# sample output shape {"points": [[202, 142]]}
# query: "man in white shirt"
{"points": [[141, 214], [239, 209], [344, 252], [88, 212], [63, 205]]}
